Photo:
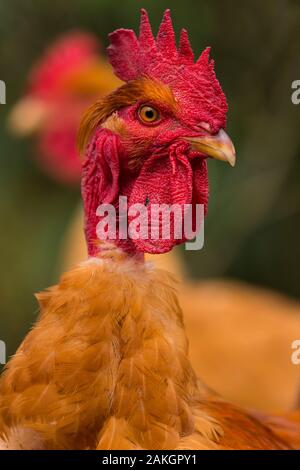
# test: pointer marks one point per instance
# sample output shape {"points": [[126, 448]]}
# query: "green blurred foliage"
{"points": [[252, 229]]}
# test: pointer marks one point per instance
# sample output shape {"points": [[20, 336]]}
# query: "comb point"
{"points": [[165, 39], [204, 58], [185, 50], [146, 38]]}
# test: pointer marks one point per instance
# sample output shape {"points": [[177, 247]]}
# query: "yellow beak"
{"points": [[217, 146]]}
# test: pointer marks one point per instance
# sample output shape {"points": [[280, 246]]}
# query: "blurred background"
{"points": [[252, 229]]}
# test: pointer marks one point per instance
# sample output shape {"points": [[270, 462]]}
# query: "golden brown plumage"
{"points": [[246, 332], [106, 367]]}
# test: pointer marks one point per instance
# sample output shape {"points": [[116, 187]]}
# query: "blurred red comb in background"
{"points": [[62, 84]]}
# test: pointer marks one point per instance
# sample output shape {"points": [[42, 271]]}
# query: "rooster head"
{"points": [[149, 139]]}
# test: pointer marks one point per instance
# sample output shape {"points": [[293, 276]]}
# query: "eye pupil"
{"points": [[149, 114]]}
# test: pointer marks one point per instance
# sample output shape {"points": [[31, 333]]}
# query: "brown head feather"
{"points": [[129, 93]]}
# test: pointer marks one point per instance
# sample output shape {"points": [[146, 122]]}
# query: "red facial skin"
{"points": [[167, 172]]}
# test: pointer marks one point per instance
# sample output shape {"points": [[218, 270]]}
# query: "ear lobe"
{"points": [[100, 179]]}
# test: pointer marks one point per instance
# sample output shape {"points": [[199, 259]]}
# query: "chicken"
{"points": [[106, 366], [72, 74], [246, 331], [69, 77]]}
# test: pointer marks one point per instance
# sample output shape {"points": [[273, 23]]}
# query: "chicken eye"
{"points": [[148, 115]]}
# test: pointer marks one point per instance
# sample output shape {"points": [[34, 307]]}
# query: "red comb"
{"points": [[159, 59]]}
